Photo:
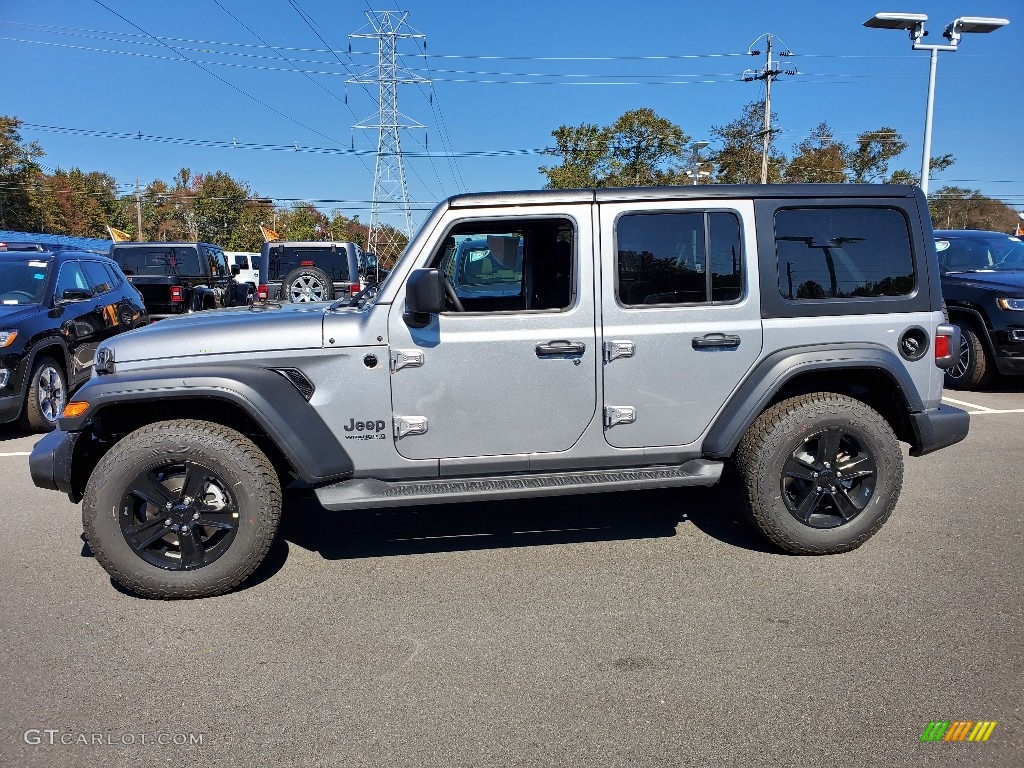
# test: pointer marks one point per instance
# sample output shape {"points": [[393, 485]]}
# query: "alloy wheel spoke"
{"points": [[847, 509], [145, 533], [150, 491], [799, 469], [828, 446], [858, 468], [808, 505], [195, 482], [222, 519], [191, 548]]}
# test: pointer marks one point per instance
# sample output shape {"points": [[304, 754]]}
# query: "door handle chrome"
{"points": [[561, 347], [716, 341]]}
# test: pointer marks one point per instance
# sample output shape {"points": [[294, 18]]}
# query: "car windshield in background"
{"points": [[998, 253], [159, 261], [22, 282]]}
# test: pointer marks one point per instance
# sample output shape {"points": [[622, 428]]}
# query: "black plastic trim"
{"points": [[938, 428], [267, 397], [772, 373], [49, 464]]}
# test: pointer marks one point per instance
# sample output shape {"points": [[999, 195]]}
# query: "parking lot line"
{"points": [[979, 409], [16, 453]]}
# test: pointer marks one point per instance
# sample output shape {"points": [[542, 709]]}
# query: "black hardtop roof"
{"points": [[688, 192], [150, 243], [310, 243]]}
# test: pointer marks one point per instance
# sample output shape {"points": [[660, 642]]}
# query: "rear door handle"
{"points": [[561, 347], [716, 341]]}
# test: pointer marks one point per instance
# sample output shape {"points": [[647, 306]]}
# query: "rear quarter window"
{"points": [[843, 253]]}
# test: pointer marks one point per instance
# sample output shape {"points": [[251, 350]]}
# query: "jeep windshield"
{"points": [[980, 253], [159, 261], [22, 281]]}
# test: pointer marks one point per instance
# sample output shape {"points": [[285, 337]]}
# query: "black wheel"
{"points": [[46, 396], [973, 368], [308, 284], [182, 509], [822, 471]]}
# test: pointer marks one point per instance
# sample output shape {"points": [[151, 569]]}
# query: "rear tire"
{"points": [[974, 367], [182, 509], [307, 284], [822, 471], [45, 398]]}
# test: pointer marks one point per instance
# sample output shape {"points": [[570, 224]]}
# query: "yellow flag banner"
{"points": [[269, 234], [1020, 230], [118, 236]]}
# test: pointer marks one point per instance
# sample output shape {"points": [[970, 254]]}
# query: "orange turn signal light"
{"points": [[75, 408]]}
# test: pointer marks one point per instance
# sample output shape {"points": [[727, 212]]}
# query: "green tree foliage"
{"points": [[739, 159], [962, 208], [935, 165], [639, 149], [818, 159], [869, 160], [18, 171]]}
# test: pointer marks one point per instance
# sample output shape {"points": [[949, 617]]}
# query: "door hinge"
{"points": [[617, 349], [406, 358], [410, 425], [619, 414]]}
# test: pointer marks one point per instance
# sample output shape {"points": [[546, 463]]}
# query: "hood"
{"points": [[12, 314], [224, 332], [1012, 282]]}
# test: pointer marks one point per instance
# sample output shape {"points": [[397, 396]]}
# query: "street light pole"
{"points": [[695, 149], [914, 23]]}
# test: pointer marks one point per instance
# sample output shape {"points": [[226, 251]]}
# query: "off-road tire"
{"points": [[307, 284], [770, 446], [974, 367], [51, 400], [228, 456]]}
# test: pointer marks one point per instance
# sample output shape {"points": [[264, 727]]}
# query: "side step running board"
{"points": [[368, 492]]}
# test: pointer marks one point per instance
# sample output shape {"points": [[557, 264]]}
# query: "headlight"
{"points": [[1016, 305], [7, 338]]}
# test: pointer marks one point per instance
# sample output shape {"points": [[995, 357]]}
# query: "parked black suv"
{"points": [[55, 309], [983, 285]]}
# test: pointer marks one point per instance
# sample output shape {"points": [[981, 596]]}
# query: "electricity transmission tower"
{"points": [[768, 73], [390, 193]]}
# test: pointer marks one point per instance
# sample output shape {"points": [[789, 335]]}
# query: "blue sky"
{"points": [[74, 64]]}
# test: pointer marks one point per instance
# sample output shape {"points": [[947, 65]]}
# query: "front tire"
{"points": [[823, 472], [182, 509], [46, 396]]}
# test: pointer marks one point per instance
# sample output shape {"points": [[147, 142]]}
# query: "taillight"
{"points": [[263, 293], [307, 264], [176, 297], [353, 289], [947, 345]]}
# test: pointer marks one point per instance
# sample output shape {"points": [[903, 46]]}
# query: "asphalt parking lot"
{"points": [[646, 629]]}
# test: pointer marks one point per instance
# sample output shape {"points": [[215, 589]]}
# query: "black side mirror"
{"points": [[236, 270], [424, 297], [75, 294]]}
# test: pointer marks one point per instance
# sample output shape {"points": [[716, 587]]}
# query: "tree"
{"points": [[76, 203], [935, 165], [869, 160], [18, 172], [639, 149], [962, 208], [818, 158], [739, 159]]}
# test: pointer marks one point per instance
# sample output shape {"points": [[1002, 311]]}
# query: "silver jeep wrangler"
{"points": [[535, 343]]}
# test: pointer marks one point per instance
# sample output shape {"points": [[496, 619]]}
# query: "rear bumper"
{"points": [[938, 428], [50, 461]]}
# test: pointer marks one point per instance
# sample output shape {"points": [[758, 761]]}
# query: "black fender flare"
{"points": [[769, 376], [265, 395], [979, 322]]}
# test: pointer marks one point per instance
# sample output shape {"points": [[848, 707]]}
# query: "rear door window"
{"points": [[158, 261]]}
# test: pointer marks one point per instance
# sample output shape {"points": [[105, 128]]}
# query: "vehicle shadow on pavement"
{"points": [[715, 511]]}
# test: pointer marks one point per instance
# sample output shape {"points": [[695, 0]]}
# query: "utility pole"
{"points": [[138, 211], [389, 186], [768, 73]]}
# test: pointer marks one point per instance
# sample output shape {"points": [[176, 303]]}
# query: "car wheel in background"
{"points": [[47, 393], [974, 368]]}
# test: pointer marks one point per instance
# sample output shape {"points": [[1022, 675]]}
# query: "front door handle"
{"points": [[561, 347], [716, 341]]}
